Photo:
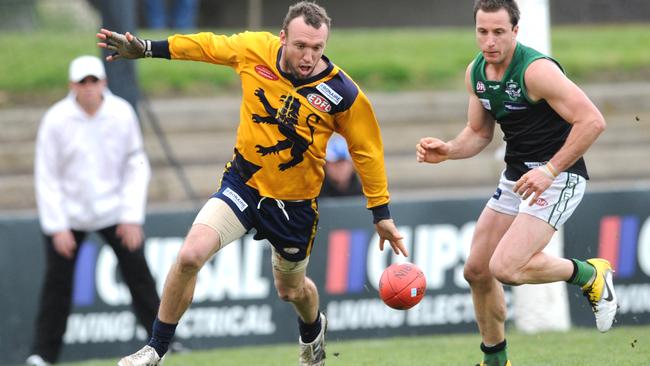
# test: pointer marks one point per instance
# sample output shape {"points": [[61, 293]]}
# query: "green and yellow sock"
{"points": [[583, 273], [495, 355]]}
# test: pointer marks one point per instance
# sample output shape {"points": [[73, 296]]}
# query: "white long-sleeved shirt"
{"points": [[90, 172]]}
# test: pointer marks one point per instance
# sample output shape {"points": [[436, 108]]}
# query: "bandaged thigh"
{"points": [[220, 217]]}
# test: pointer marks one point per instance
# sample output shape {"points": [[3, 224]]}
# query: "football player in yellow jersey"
{"points": [[294, 98]]}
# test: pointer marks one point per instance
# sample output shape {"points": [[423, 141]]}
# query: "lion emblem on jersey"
{"points": [[286, 118]]}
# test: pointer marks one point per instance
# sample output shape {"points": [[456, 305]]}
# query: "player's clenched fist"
{"points": [[431, 150], [123, 45]]}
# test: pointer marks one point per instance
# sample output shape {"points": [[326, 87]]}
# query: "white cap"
{"points": [[84, 66]]}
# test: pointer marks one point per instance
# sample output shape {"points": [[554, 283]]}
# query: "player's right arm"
{"points": [[122, 45], [205, 46], [476, 135]]}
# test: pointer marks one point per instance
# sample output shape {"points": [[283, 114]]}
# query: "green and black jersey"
{"points": [[533, 131]]}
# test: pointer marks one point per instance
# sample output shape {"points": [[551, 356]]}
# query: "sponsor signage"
{"points": [[235, 302], [614, 226]]}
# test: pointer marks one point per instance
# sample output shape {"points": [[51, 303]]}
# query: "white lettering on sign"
{"points": [[235, 321], [100, 327], [362, 314], [443, 309], [161, 254], [437, 249], [109, 289], [234, 273], [633, 299]]}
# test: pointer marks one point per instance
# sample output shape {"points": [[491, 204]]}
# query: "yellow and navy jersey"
{"points": [[285, 122]]}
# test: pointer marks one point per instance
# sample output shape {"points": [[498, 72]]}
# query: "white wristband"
{"points": [[147, 48]]}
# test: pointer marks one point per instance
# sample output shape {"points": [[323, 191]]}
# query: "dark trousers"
{"points": [[56, 293]]}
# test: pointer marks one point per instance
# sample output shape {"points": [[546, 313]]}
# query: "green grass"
{"points": [[35, 63], [622, 346]]}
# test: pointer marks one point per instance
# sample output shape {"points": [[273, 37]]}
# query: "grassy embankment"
{"points": [[34, 65]]}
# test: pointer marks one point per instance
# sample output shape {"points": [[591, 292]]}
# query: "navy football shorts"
{"points": [[290, 226]]}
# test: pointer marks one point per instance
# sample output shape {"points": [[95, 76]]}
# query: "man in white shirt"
{"points": [[91, 175]]}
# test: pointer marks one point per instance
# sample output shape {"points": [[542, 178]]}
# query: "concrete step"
{"points": [[222, 113], [404, 174], [201, 134], [400, 137]]}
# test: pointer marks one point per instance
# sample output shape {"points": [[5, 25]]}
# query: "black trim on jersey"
{"points": [[243, 167], [342, 85], [160, 49], [298, 82]]}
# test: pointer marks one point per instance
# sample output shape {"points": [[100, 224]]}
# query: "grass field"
{"points": [[622, 346], [378, 59]]}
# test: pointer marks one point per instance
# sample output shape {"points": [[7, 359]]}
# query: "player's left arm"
{"points": [[545, 80], [359, 126], [361, 130]]}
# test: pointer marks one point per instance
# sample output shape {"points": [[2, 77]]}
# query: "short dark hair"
{"points": [[495, 5], [313, 14]]}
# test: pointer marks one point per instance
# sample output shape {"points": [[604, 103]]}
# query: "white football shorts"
{"points": [[554, 206]]}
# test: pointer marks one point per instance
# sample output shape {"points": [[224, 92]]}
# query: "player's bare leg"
{"points": [[487, 293], [519, 259], [302, 293], [200, 244]]}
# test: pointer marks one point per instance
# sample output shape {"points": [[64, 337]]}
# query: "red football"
{"points": [[402, 286]]}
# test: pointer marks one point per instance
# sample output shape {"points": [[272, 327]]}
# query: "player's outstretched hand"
{"points": [[387, 230], [123, 45], [431, 150]]}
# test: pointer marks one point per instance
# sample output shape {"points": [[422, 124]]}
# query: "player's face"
{"points": [[303, 47], [89, 91], [495, 35]]}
